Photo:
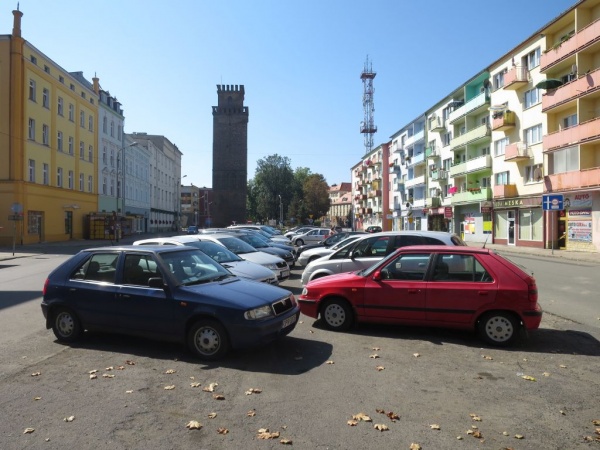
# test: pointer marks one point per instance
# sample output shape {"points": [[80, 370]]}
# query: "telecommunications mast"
{"points": [[367, 126]]}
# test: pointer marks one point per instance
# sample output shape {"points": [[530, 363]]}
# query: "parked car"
{"points": [[267, 231], [327, 242], [249, 253], [372, 248], [192, 229], [373, 229], [297, 231], [314, 235], [220, 254], [312, 254], [170, 293], [441, 286], [268, 239], [262, 246]]}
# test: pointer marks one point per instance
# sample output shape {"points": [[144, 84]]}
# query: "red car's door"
{"points": [[459, 286], [400, 294]]}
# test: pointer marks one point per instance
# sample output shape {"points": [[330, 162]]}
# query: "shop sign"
{"points": [[580, 212], [580, 230], [578, 201], [448, 212]]}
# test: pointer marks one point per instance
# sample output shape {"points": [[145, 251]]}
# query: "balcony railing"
{"points": [[481, 132], [417, 159], [373, 194], [474, 195], [505, 121], [437, 124], [433, 152], [516, 77], [574, 44], [505, 191], [415, 181], [419, 203], [432, 202], [472, 105], [573, 180], [439, 175], [477, 164], [517, 151], [414, 138], [577, 134], [583, 86]]}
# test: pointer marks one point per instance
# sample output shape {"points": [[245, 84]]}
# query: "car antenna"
{"points": [[486, 239]]}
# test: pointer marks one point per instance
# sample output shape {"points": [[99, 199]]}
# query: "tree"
{"points": [[273, 178], [316, 195]]}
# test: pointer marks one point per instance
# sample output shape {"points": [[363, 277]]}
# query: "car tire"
{"points": [[299, 242], [66, 325], [208, 340], [337, 315], [499, 328]]}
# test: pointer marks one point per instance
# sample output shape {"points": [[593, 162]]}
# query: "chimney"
{"points": [[17, 23]]}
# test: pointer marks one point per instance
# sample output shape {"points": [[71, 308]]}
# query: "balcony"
{"points": [[418, 136], [433, 202], [583, 86], [572, 180], [416, 160], [433, 152], [373, 194], [439, 175], [470, 137], [585, 37], [477, 164], [578, 134], [395, 168], [399, 186], [416, 181], [505, 121], [505, 191], [517, 152], [437, 124], [476, 104], [516, 77], [474, 195]]}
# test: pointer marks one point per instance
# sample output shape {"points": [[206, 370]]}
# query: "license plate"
{"points": [[287, 322], [285, 273]]}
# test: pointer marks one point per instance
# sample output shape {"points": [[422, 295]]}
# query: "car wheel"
{"points": [[299, 242], [208, 340], [66, 325], [337, 315], [499, 328]]}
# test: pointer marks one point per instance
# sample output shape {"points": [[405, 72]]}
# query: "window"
{"points": [[81, 150], [71, 179], [500, 146], [59, 177], [59, 141], [498, 80], [71, 112], [406, 267], [32, 170], [485, 151], [100, 267], [532, 59], [46, 98], [60, 106], [569, 121], [533, 135], [502, 178], [91, 123], [533, 173], [104, 154], [112, 128], [119, 131], [81, 182], [104, 125], [71, 145], [33, 59], [45, 134], [112, 188], [31, 129], [82, 119], [46, 69], [61, 79], [72, 86], [446, 138], [531, 97], [566, 160], [531, 224], [91, 153], [45, 174], [90, 183], [104, 186], [32, 90]]}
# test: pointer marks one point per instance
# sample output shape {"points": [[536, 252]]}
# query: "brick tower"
{"points": [[230, 157]]}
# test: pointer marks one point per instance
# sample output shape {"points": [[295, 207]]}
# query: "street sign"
{"points": [[552, 202], [15, 217]]}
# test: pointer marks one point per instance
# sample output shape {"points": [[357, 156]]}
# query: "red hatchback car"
{"points": [[434, 285]]}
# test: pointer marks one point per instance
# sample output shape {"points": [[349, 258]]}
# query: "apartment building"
{"points": [[48, 141], [339, 210], [368, 182]]}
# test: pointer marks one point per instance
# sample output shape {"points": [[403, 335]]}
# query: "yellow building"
{"points": [[48, 139]]}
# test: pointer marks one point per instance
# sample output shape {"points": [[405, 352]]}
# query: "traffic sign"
{"points": [[552, 202]]}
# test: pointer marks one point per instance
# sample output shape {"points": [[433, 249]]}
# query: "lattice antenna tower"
{"points": [[367, 126]]}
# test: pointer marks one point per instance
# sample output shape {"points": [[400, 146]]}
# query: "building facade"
{"points": [[230, 156], [340, 205]]}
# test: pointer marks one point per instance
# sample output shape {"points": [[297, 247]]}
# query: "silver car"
{"points": [[369, 249], [312, 254], [229, 260], [314, 235]]}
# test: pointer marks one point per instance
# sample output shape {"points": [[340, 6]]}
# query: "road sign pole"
{"points": [[552, 235]]}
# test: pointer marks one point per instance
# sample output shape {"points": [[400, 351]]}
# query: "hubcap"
{"points": [[499, 329], [335, 315], [207, 340], [65, 324]]}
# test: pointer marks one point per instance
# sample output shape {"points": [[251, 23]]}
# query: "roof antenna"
{"points": [[486, 239]]}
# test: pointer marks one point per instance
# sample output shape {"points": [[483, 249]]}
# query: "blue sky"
{"points": [[299, 60]]}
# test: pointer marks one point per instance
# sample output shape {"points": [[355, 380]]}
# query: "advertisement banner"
{"points": [[580, 230]]}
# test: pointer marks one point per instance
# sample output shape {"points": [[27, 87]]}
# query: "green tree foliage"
{"points": [[273, 178], [316, 195]]}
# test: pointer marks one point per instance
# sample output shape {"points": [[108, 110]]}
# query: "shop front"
{"points": [[519, 222], [575, 222]]}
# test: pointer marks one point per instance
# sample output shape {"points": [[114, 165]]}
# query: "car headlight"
{"points": [[272, 266], [259, 313], [304, 292]]}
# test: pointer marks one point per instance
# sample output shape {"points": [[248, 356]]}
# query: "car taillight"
{"points": [[532, 291], [45, 286]]}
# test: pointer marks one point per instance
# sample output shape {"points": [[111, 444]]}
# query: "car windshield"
{"points": [[254, 241], [193, 267], [236, 245], [217, 252]]}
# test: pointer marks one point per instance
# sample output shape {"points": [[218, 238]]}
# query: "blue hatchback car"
{"points": [[174, 294]]}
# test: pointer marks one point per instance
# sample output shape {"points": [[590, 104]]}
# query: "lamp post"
{"points": [[121, 162]]}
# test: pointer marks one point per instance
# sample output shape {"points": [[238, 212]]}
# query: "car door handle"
{"points": [[72, 289], [482, 293]]}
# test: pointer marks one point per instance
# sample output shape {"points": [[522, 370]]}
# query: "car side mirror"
{"points": [[377, 276], [156, 282]]}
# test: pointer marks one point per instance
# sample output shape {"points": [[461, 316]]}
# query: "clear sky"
{"points": [[299, 60]]}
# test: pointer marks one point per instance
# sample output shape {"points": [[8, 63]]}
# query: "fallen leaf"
{"points": [[546, 374], [109, 368], [489, 358], [374, 356], [251, 413], [562, 366], [130, 363], [475, 417], [253, 391], [352, 423], [107, 375], [169, 388], [363, 417], [414, 446], [596, 422], [379, 368], [519, 436], [393, 416], [477, 434], [195, 384], [218, 397], [263, 433], [192, 378], [222, 430], [212, 415], [69, 419], [120, 367], [329, 362], [376, 349], [129, 392], [380, 427], [459, 438], [311, 331], [562, 412], [194, 425], [93, 376], [528, 378], [505, 433], [416, 355], [36, 374], [434, 426], [170, 371], [28, 430], [93, 371], [301, 321], [210, 388], [286, 441], [37, 398]]}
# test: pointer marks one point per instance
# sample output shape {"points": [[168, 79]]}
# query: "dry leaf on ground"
{"points": [[93, 376], [352, 423], [251, 413], [195, 384], [107, 375], [69, 419], [169, 388], [434, 426], [28, 430], [212, 415], [362, 416], [374, 356], [379, 368], [416, 355], [253, 391], [286, 441], [381, 427], [414, 446], [218, 397], [222, 430], [130, 363], [194, 425], [36, 374], [210, 388], [528, 378], [170, 371], [329, 362]]}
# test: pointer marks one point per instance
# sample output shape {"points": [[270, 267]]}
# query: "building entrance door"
{"points": [[511, 228]]}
